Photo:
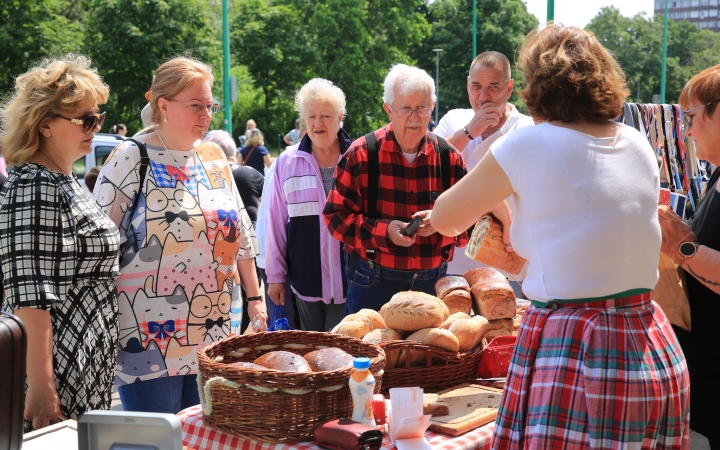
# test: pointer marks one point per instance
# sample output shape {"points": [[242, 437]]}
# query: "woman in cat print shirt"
{"points": [[187, 244]]}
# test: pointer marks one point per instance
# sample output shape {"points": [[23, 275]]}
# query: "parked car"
{"points": [[102, 145]]}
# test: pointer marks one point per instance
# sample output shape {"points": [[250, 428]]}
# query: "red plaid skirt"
{"points": [[600, 375]]}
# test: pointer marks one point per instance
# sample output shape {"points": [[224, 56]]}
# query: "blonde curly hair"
{"points": [[52, 87]]}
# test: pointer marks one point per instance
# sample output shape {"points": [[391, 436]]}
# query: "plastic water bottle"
{"points": [[362, 387]]}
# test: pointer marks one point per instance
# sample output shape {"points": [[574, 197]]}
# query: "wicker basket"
{"points": [[277, 406], [442, 369]]}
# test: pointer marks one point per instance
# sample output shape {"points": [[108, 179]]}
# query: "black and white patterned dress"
{"points": [[58, 252]]}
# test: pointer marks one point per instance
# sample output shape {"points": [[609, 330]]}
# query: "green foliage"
{"points": [[501, 27], [636, 42], [129, 39]]}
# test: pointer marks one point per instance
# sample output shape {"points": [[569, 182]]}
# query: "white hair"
{"points": [[223, 139], [407, 80], [323, 90]]}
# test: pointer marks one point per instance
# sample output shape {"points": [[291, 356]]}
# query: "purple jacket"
{"points": [[299, 247]]}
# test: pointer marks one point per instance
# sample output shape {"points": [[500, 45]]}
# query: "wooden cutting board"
{"points": [[470, 405]]}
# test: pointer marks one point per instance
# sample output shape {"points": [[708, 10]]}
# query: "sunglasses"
{"points": [[88, 123], [195, 108]]}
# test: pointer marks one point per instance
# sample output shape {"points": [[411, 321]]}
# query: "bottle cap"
{"points": [[361, 363]]}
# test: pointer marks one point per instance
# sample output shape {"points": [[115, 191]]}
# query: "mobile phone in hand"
{"points": [[412, 227]]}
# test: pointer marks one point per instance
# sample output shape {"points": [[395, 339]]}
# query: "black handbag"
{"points": [[13, 349]]}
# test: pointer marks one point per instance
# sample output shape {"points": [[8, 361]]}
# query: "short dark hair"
{"points": [[495, 60], [91, 178], [570, 76]]}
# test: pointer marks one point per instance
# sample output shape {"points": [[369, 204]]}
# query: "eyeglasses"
{"points": [[195, 108], [689, 119], [406, 112], [88, 123]]}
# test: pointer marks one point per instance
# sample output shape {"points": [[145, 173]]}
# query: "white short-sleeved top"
{"points": [[585, 213]]}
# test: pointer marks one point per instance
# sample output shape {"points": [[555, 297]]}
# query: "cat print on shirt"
{"points": [[138, 266], [190, 262], [209, 320], [225, 251], [135, 363], [128, 325], [112, 201], [163, 317], [221, 211], [181, 359], [219, 169], [173, 210]]}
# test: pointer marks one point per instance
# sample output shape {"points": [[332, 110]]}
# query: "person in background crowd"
{"points": [[255, 154], [188, 244], [299, 247], [695, 247], [91, 177], [432, 125], [58, 251], [293, 136], [596, 363], [249, 126], [473, 130], [381, 261], [120, 129], [249, 183], [242, 140]]}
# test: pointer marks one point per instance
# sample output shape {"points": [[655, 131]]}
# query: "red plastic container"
{"points": [[495, 358]]}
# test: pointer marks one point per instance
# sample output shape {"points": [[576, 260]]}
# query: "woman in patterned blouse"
{"points": [[58, 250]]}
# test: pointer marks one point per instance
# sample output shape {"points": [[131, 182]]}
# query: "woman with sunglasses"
{"points": [[695, 247], [58, 251], [188, 243]]}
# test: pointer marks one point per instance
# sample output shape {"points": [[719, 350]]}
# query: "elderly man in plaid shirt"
{"points": [[383, 181]]}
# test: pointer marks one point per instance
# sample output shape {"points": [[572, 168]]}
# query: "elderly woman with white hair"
{"points": [[299, 247], [383, 180]]}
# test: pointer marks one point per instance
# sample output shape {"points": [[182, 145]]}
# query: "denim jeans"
{"points": [[373, 287], [163, 395]]}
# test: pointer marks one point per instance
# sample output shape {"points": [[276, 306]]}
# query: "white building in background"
{"points": [[703, 13]]}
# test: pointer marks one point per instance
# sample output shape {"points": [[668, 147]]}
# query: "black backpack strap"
{"points": [[445, 168], [144, 164], [373, 184]]}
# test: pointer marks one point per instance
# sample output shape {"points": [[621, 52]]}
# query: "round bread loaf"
{"points": [[410, 311], [453, 317], [377, 319], [445, 285], [384, 335], [434, 337], [383, 308], [469, 332], [483, 273], [283, 361], [458, 300], [326, 359], [354, 328], [357, 317], [249, 365], [494, 299]]}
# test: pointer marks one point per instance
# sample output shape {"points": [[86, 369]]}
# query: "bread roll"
{"points": [[383, 308], [500, 327], [434, 337], [469, 332], [409, 311], [453, 317], [377, 319], [357, 317], [249, 365], [493, 299], [445, 285], [385, 335], [458, 301], [357, 329], [283, 361], [486, 246], [445, 309], [331, 358], [483, 273]]}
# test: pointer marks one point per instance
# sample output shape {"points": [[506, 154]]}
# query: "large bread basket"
{"points": [[277, 406]]}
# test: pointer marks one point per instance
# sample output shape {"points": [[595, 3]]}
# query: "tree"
{"points": [[501, 27], [129, 39]]}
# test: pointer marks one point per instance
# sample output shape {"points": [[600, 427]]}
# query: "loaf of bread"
{"points": [[500, 327], [469, 332], [377, 319], [458, 301], [434, 337], [384, 335], [452, 318], [284, 361], [383, 308], [251, 366], [354, 328], [481, 274], [486, 246], [409, 310], [445, 285], [493, 299], [331, 358], [445, 309], [357, 317]]}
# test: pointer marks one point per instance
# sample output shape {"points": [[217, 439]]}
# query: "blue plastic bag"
{"points": [[278, 320]]}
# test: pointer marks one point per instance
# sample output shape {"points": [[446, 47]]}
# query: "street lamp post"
{"points": [[227, 103], [664, 56], [550, 10], [437, 81]]}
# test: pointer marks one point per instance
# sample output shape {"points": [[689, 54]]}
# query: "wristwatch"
{"points": [[688, 249]]}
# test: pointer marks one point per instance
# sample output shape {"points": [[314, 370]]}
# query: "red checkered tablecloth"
{"points": [[199, 436]]}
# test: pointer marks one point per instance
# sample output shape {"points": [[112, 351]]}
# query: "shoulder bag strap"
{"points": [[248, 156], [144, 164]]}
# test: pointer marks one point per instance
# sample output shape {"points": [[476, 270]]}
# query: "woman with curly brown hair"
{"points": [[596, 364]]}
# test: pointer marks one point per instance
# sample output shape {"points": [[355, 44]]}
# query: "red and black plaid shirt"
{"points": [[403, 191]]}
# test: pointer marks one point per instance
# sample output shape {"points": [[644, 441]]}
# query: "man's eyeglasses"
{"points": [[689, 119], [195, 107], [88, 123], [406, 112]]}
